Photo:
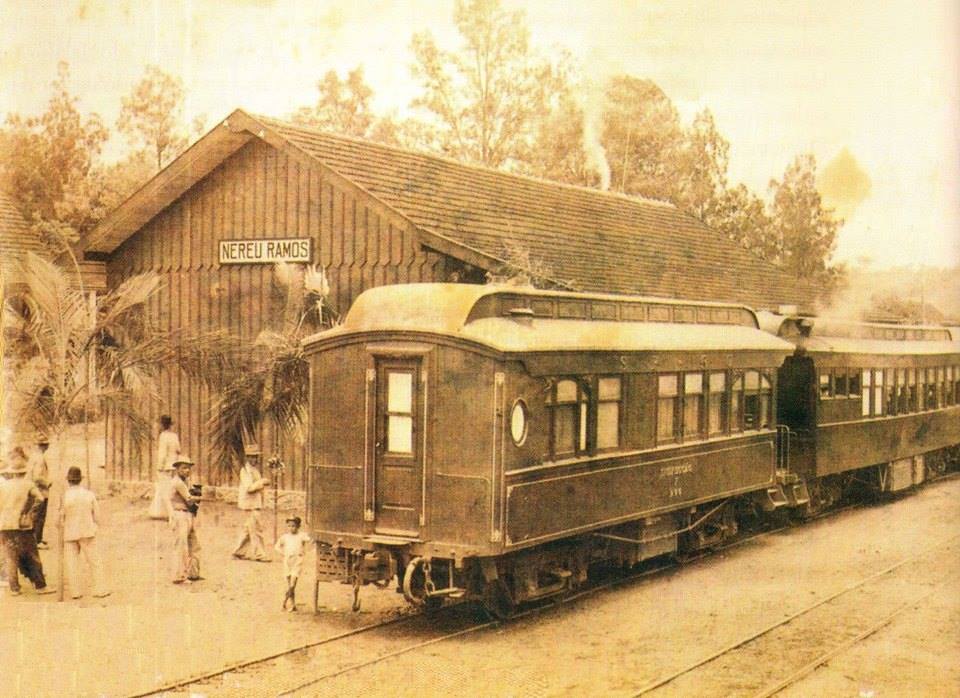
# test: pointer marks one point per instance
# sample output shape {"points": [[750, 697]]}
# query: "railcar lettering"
{"points": [[675, 470], [265, 251]]}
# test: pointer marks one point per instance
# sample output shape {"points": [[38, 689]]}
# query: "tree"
{"points": [[807, 232], [70, 357], [486, 100], [702, 167], [642, 137], [151, 116], [270, 380], [741, 215], [559, 152], [47, 162], [343, 105]]}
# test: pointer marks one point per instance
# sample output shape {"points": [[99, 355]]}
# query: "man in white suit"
{"points": [[78, 520], [250, 500]]}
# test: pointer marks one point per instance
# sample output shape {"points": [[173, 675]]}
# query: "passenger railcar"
{"points": [[873, 403], [493, 441]]}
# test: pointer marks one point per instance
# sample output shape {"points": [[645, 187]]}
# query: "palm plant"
{"points": [[70, 356], [270, 381]]}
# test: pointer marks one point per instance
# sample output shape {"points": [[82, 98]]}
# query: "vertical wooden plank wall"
{"points": [[258, 192]]}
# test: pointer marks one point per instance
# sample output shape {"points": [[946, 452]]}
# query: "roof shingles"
{"points": [[596, 240]]}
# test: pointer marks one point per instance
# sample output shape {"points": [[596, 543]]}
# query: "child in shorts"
{"points": [[291, 546]]}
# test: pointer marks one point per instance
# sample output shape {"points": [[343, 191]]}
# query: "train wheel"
{"points": [[498, 599]]}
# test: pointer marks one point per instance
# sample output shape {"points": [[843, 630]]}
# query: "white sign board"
{"points": [[260, 251]]}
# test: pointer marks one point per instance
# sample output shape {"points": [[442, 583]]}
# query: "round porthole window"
{"points": [[518, 422]]}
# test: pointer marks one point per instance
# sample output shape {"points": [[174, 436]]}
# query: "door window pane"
{"points": [[399, 391], [399, 434]]}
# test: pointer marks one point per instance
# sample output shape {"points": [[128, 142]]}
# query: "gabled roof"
{"points": [[16, 238], [589, 239]]}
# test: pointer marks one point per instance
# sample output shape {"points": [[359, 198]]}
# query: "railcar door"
{"points": [[398, 463]]}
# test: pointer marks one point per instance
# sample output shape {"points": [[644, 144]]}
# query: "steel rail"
{"points": [[792, 617], [844, 646]]}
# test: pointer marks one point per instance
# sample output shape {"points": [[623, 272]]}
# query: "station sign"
{"points": [[266, 251]]}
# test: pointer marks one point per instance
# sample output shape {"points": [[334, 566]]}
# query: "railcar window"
{"points": [[941, 386], [912, 389], [751, 400], [399, 412], [877, 391], [840, 383], [903, 397], [736, 402], [717, 403], [865, 399], [667, 400], [567, 418], [854, 383], [921, 389], [931, 388], [608, 412], [692, 404], [825, 385], [518, 422], [890, 390]]}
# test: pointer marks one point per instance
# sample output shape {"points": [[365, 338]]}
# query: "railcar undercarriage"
{"points": [[504, 583]]}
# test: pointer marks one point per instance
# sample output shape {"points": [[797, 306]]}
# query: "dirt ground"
{"points": [[150, 631]]}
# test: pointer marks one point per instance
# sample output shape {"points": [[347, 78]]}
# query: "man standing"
{"points": [[78, 520], [40, 474], [250, 499], [168, 448], [182, 509], [18, 499]]}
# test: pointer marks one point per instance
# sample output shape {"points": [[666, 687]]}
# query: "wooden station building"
{"points": [[372, 215]]}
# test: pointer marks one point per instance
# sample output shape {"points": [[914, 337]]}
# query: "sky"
{"points": [[872, 89]]}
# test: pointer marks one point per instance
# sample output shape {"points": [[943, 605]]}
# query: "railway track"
{"points": [[817, 620], [395, 634]]}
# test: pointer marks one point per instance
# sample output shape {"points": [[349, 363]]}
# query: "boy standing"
{"points": [[78, 520], [291, 545]]}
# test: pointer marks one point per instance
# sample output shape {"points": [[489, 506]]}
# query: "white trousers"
{"points": [[79, 554]]}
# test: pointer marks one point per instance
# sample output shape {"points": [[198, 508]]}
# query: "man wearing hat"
{"points": [[181, 508], [18, 498], [40, 474], [250, 499], [78, 521]]}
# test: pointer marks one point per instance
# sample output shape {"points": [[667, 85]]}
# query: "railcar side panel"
{"points": [[563, 499], [463, 481], [857, 444]]}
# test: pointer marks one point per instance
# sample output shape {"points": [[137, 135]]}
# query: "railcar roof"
{"points": [[573, 335], [847, 345], [835, 336], [446, 309]]}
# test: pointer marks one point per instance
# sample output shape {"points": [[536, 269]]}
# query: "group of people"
{"points": [[177, 502], [24, 496], [25, 492]]}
